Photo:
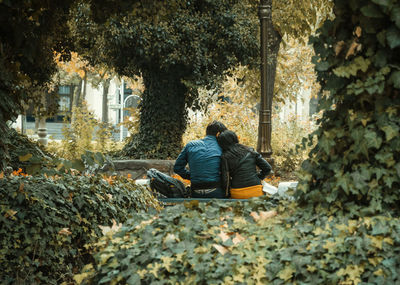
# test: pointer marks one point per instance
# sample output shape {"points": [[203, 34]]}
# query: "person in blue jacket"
{"points": [[204, 159]]}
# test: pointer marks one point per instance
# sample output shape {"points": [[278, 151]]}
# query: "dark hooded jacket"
{"points": [[242, 172]]}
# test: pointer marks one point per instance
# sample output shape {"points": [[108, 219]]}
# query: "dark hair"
{"points": [[227, 139], [232, 150], [214, 128]]}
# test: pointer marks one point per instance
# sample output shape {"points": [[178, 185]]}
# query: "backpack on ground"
{"points": [[166, 185]]}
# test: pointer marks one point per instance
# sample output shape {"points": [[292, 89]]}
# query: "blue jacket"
{"points": [[204, 159]]}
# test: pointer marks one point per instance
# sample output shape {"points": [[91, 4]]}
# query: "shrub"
{"points": [[46, 222], [246, 243], [239, 114], [21, 149], [84, 133]]}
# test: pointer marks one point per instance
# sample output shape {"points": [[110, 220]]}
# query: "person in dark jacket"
{"points": [[239, 163], [204, 159]]}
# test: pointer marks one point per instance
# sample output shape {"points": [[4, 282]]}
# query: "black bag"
{"points": [[166, 185]]}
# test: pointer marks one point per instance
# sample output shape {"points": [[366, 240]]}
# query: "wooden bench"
{"points": [[201, 200]]}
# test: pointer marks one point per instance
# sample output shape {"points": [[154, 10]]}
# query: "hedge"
{"points": [[246, 243], [45, 222]]}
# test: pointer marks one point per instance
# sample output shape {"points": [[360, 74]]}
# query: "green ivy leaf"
{"points": [[397, 167], [395, 15], [381, 36], [322, 66], [391, 131], [380, 58], [382, 2], [373, 140], [359, 63], [25, 157], [393, 37], [372, 11], [395, 79], [78, 165], [286, 273]]}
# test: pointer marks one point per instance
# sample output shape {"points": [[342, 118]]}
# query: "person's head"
{"points": [[214, 128], [227, 139]]}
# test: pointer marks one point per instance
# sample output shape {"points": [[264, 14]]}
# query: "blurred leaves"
{"points": [[182, 244]]}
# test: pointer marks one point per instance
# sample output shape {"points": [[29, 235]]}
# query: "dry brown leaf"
{"points": [[267, 215], [338, 47], [70, 196], [110, 230], [21, 187], [221, 249], [65, 231], [1, 175], [352, 49], [238, 239], [10, 213], [115, 227], [147, 222], [358, 31], [225, 225], [223, 236], [255, 216]]}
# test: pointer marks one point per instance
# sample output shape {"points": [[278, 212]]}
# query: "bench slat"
{"points": [[201, 200]]}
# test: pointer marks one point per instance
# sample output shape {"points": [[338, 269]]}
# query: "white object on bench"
{"points": [[284, 186], [268, 188], [142, 182]]}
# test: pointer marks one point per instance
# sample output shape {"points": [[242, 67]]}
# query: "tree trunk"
{"points": [[163, 117], [106, 85], [273, 49], [77, 94], [36, 122], [76, 99]]}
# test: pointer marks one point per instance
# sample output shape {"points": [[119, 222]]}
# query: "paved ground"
{"points": [[54, 131]]}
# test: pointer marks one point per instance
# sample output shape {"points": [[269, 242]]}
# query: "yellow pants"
{"points": [[247, 192]]}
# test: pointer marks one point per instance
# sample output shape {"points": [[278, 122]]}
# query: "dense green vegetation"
{"points": [[355, 166], [45, 222], [256, 242], [30, 32], [344, 227]]}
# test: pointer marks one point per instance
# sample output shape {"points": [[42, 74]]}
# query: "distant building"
{"points": [[94, 99]]}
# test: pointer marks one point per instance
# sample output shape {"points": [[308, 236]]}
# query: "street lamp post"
{"points": [[264, 126]]}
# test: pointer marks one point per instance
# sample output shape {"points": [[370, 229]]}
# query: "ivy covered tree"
{"points": [[178, 46], [30, 32], [175, 46], [355, 165]]}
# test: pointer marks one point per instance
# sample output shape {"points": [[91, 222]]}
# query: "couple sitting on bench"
{"points": [[221, 167]]}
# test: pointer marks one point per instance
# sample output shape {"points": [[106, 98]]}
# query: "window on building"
{"points": [[64, 90]]}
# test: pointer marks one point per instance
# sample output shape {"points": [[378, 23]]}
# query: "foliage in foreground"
{"points": [[355, 165], [45, 222], [246, 243]]}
